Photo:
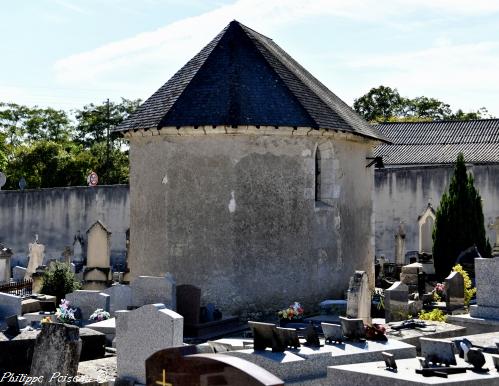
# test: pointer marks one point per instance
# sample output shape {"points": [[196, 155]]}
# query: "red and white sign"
{"points": [[92, 179]]}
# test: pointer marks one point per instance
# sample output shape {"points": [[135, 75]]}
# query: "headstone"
{"points": [[288, 337], [396, 302], [121, 297], [9, 305], [495, 227], [89, 301], [18, 273], [389, 360], [67, 255], [437, 351], [311, 336], [56, 354], [454, 289], [184, 366], [36, 255], [12, 325], [334, 307], [333, 333], [98, 248], [189, 303], [400, 245], [142, 332], [154, 289], [409, 275], [475, 357], [264, 336], [5, 256], [359, 297], [487, 290], [352, 329]]}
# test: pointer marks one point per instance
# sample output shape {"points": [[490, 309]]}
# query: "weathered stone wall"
{"points": [[402, 194], [57, 215], [235, 214]]}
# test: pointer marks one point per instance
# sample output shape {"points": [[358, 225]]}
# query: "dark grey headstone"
{"points": [[333, 333], [265, 336], [389, 360], [288, 337], [12, 325], [312, 337], [57, 350], [454, 288], [475, 358], [189, 303], [353, 329]]}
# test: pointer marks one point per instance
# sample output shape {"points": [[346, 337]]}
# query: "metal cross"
{"points": [[163, 382]]}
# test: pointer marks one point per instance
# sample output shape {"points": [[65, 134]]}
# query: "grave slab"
{"points": [[375, 374]]}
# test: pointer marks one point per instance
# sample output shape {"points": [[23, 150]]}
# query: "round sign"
{"points": [[92, 179], [3, 179]]}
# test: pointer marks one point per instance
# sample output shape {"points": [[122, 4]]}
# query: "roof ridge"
{"points": [[436, 121]]}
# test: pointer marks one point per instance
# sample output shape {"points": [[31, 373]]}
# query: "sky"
{"points": [[68, 53]]}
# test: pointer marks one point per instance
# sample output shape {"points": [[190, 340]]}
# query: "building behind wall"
{"points": [[248, 179], [418, 168]]}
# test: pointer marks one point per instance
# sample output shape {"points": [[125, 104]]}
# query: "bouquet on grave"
{"points": [[294, 311], [439, 292], [99, 314], [65, 314]]}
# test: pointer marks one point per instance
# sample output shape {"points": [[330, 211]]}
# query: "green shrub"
{"points": [[435, 315], [59, 280], [469, 290]]}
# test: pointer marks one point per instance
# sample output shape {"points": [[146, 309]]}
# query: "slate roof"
{"points": [[243, 78], [440, 142]]}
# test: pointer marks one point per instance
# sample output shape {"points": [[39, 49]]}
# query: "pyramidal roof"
{"points": [[243, 78]]}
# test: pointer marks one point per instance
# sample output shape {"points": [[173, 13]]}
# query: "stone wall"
{"points": [[402, 194], [57, 215], [235, 214]]}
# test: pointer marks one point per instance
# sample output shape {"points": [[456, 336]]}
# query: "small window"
{"points": [[317, 175]]}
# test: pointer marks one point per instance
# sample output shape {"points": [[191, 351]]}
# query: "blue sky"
{"points": [[66, 53]]}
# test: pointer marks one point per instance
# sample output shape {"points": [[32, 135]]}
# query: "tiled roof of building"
{"points": [[440, 142], [243, 78]]}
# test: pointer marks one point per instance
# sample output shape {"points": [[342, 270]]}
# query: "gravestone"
{"points": [[264, 336], [487, 289], [437, 351], [57, 351], [189, 303], [288, 337], [88, 301], [12, 323], [154, 289], [495, 227], [454, 290], [18, 273], [5, 256], [36, 255], [400, 245], [409, 275], [396, 302], [121, 297], [9, 305], [359, 297], [97, 273], [389, 360], [333, 333], [142, 332], [353, 329], [184, 366]]}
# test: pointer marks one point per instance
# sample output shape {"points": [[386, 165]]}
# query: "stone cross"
{"points": [[57, 352]]}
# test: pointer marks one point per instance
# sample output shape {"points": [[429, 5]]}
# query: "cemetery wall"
{"points": [[58, 214], [236, 215], [403, 193]]}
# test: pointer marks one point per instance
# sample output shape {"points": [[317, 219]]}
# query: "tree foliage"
{"points": [[59, 280], [52, 148], [384, 104], [459, 222]]}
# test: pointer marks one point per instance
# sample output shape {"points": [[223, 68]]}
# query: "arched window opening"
{"points": [[317, 175]]}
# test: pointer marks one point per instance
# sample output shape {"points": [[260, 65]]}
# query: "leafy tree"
{"points": [[379, 104], [59, 280], [459, 222], [383, 104]]}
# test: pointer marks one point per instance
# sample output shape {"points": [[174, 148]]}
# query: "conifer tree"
{"points": [[459, 222]]}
